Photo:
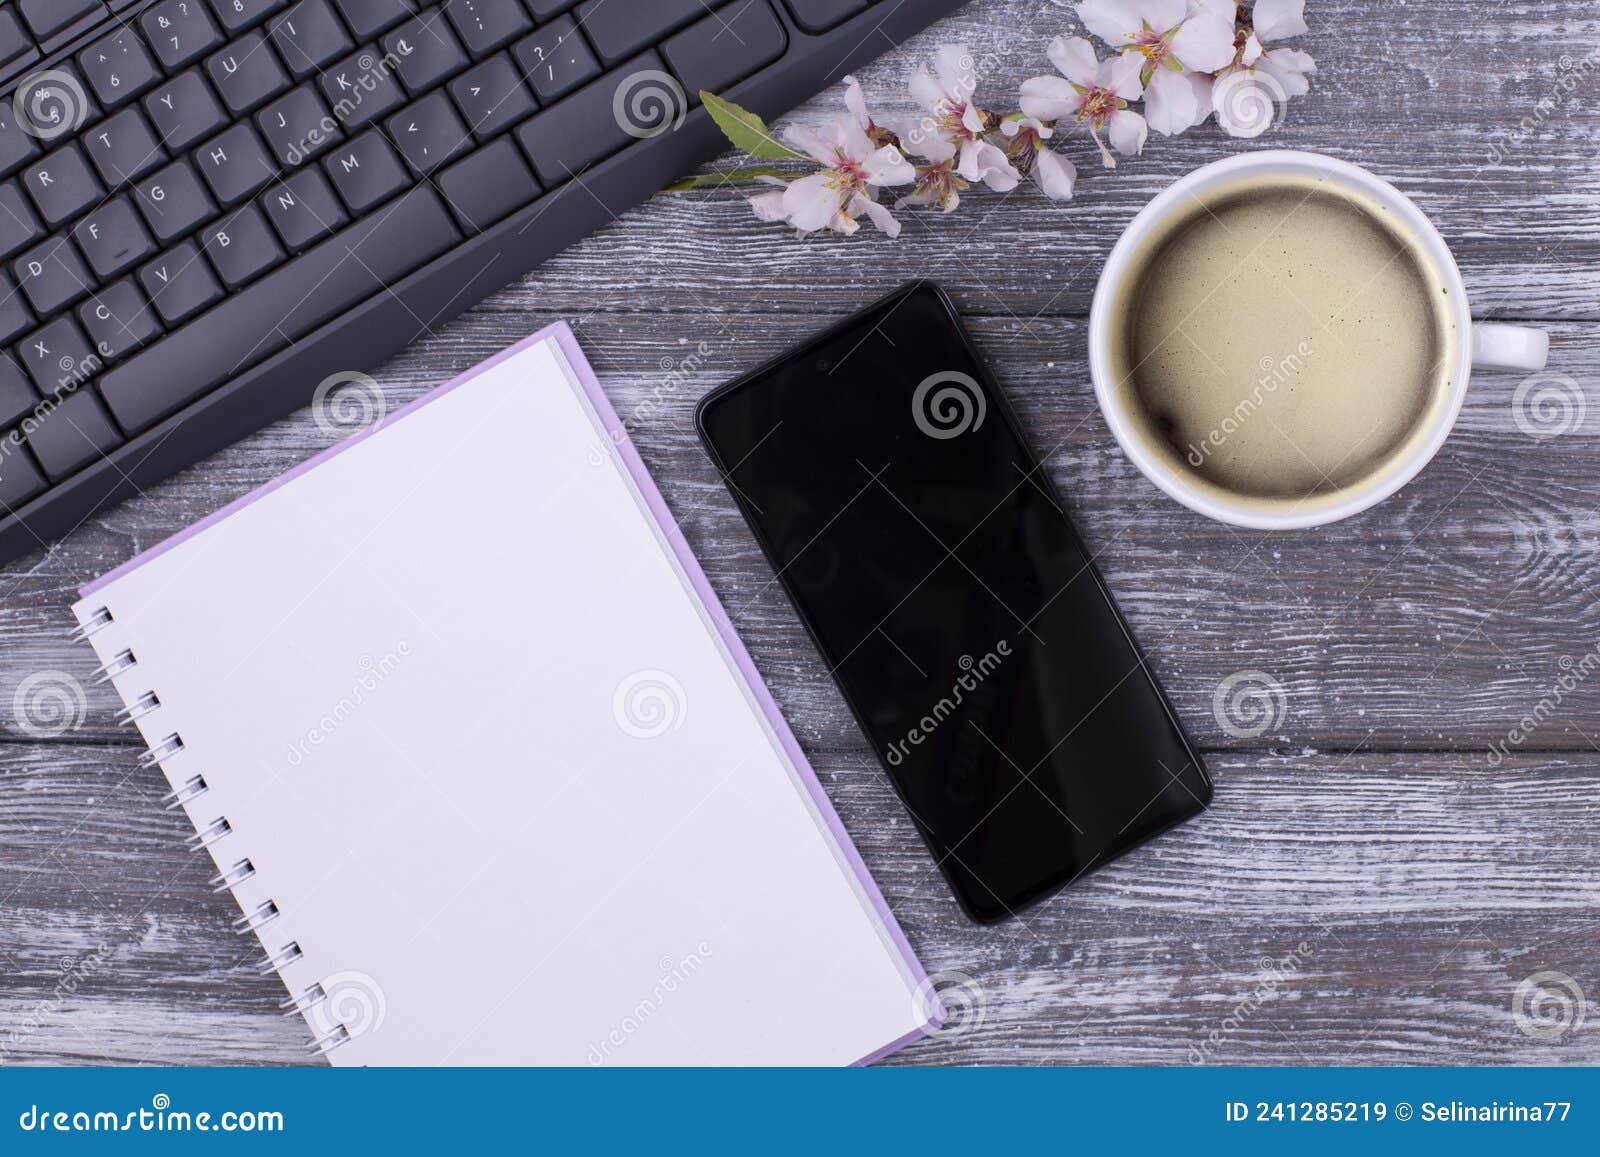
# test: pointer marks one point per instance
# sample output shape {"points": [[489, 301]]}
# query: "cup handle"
{"points": [[1508, 347]]}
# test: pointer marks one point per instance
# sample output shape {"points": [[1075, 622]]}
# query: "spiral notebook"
{"points": [[466, 733]]}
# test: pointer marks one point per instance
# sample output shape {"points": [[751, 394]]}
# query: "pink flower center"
{"points": [[847, 175], [1097, 104], [951, 118], [1023, 145], [938, 184], [1156, 46]]}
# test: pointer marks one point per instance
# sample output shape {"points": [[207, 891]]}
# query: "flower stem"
{"points": [[723, 177]]}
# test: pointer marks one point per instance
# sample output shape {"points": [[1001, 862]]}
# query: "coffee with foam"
{"points": [[1282, 337]]}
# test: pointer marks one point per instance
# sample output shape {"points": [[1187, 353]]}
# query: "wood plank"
{"points": [[1394, 902], [1429, 100], [1425, 886], [1437, 620]]}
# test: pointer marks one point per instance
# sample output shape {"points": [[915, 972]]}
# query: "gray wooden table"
{"points": [[1371, 885]]}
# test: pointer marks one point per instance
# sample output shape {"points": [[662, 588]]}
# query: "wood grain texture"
{"points": [[1369, 823], [1393, 902]]}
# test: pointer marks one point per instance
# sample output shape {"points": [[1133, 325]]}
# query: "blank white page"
{"points": [[493, 758]]}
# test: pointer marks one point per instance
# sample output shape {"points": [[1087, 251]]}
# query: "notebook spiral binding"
{"points": [[122, 660]]}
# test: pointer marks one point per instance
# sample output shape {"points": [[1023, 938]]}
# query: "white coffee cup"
{"points": [[1491, 345]]}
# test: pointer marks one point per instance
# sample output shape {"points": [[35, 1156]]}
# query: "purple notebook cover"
{"points": [[563, 336]]}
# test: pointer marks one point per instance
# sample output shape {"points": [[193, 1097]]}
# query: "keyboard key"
{"points": [[429, 133], [247, 73], [118, 319], [20, 479], [556, 59], [52, 275], [18, 224], [293, 300], [366, 172], [367, 18], [725, 47], [491, 97], [18, 399], [180, 32], [47, 17], [425, 51], [119, 67], [303, 209], [113, 238], [61, 185], [235, 164], [57, 356], [72, 435], [488, 185], [617, 31], [124, 148], [174, 201], [237, 15], [241, 247], [360, 89], [309, 36], [14, 42], [564, 140], [180, 283], [298, 126], [544, 9], [485, 25], [184, 110], [53, 103], [15, 317], [821, 15], [16, 143]]}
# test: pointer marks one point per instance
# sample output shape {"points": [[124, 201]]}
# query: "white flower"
{"points": [[1247, 94], [1025, 137], [1095, 92], [857, 104], [954, 127], [937, 184], [1179, 40], [843, 191]]}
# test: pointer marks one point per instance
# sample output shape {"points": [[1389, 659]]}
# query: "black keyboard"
{"points": [[209, 206]]}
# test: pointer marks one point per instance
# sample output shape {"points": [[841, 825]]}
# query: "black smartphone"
{"points": [[953, 601]]}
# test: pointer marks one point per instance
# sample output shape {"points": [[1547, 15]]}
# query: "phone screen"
{"points": [[954, 603]]}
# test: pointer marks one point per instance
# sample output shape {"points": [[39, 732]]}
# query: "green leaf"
{"points": [[727, 177], [747, 131]]}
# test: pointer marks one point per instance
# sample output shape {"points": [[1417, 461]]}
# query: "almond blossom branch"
{"points": [[1181, 61]]}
